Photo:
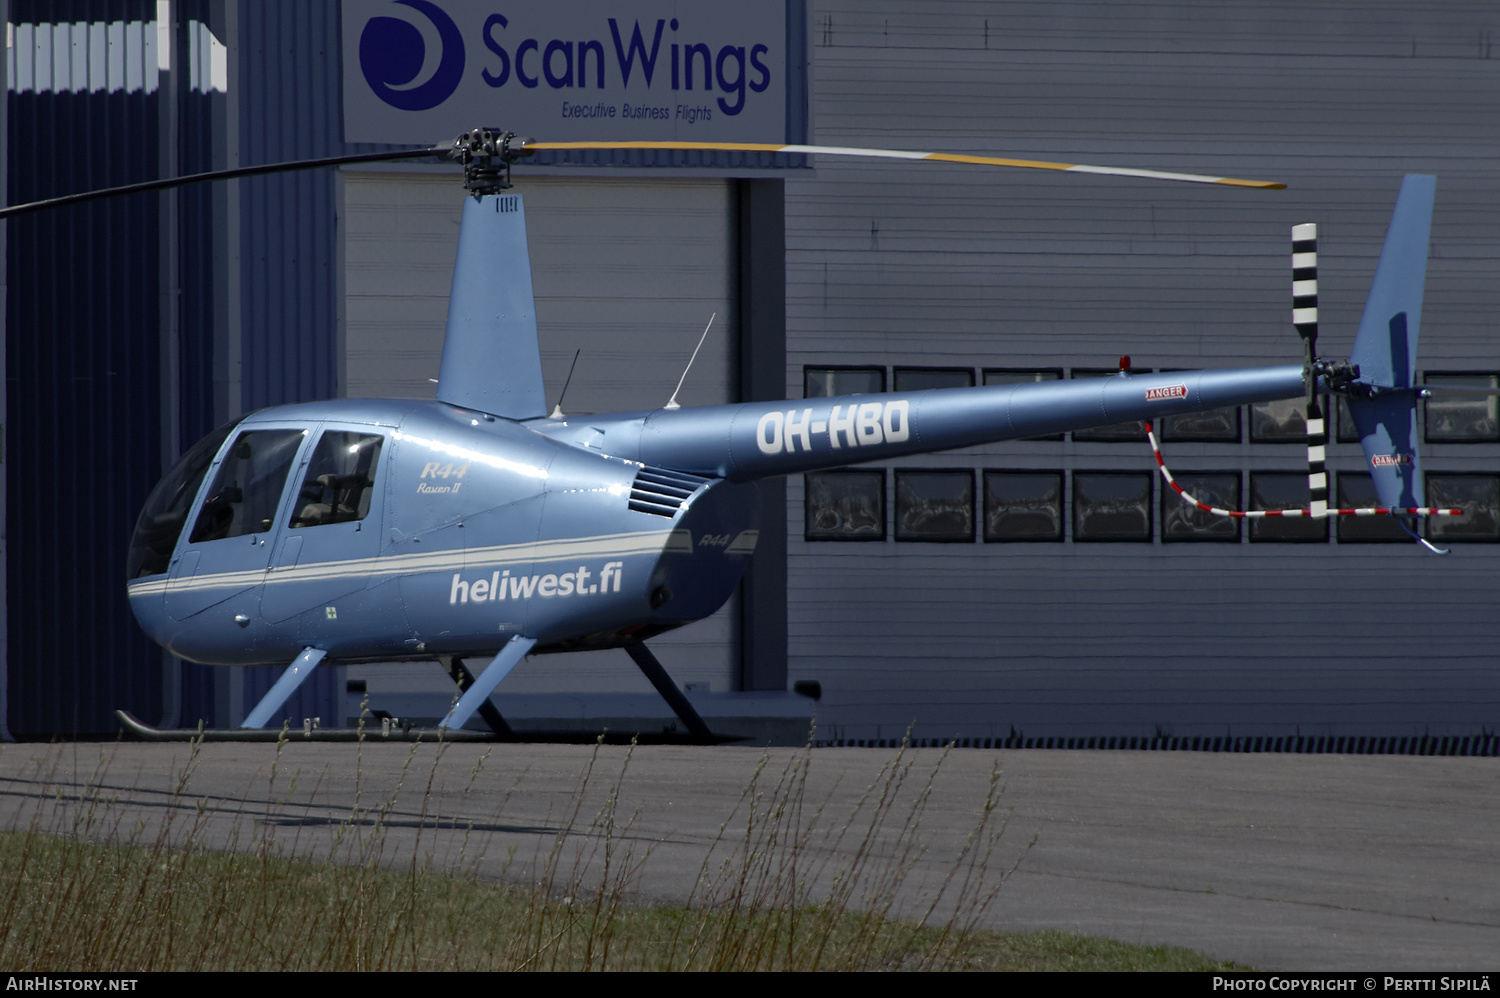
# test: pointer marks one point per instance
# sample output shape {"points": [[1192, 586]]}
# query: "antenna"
{"points": [[557, 412], [672, 402]]}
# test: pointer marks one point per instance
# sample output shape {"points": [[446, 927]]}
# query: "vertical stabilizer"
{"points": [[1385, 348], [491, 360]]}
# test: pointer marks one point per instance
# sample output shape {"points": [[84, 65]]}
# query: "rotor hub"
{"points": [[486, 155]]}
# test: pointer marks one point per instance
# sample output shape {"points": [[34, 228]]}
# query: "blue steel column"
{"points": [[5, 734], [762, 296]]}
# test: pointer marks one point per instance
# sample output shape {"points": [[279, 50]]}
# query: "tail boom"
{"points": [[766, 439]]}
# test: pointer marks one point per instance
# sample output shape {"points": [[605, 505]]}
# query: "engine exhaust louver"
{"points": [[662, 492]]}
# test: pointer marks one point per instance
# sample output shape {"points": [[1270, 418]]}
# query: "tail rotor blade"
{"points": [[1305, 319]]}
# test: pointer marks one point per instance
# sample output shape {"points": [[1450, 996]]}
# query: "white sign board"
{"points": [[422, 71]]}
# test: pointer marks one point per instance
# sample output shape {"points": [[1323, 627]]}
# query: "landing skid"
{"points": [[451, 729], [132, 725], [136, 728]]}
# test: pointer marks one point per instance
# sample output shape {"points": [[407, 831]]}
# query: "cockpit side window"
{"points": [[166, 509], [340, 479], [248, 485]]}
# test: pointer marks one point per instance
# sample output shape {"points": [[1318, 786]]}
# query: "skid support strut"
{"points": [[668, 690], [294, 676], [479, 691], [464, 679]]}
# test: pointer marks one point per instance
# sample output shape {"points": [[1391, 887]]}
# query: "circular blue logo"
{"points": [[392, 55]]}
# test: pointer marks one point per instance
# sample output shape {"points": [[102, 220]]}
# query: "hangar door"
{"points": [[628, 271]]}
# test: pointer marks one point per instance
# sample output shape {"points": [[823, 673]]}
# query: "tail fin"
{"points": [[1386, 343], [1383, 401]]}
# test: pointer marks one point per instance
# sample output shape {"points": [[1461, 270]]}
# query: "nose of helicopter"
{"points": [[148, 603]]}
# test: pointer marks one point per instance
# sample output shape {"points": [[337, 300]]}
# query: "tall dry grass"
{"points": [[789, 883]]}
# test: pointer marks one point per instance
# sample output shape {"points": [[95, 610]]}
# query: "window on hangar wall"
{"points": [[1356, 490], [1023, 505], [845, 505], [935, 505], [920, 379], [1183, 522], [1280, 422], [1112, 505], [1284, 490], [826, 382], [1477, 495], [1467, 419]]}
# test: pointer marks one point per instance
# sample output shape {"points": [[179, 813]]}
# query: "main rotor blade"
{"points": [[946, 157], [443, 152], [448, 152]]}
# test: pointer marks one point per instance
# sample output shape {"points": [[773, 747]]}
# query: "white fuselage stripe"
{"points": [[611, 545]]}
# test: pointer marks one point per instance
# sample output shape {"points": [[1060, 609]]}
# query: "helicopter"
{"points": [[478, 524]]}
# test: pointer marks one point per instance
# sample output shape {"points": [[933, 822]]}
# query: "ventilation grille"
{"points": [[662, 492]]}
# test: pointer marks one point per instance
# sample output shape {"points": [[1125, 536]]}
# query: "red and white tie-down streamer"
{"points": [[1257, 513]]}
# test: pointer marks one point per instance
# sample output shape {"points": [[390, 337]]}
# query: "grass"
{"points": [[786, 885]]}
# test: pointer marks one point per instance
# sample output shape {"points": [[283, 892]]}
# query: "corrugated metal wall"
{"points": [[899, 264], [123, 348], [83, 383], [289, 109]]}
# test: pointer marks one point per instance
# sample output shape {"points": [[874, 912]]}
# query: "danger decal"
{"points": [[1166, 392]]}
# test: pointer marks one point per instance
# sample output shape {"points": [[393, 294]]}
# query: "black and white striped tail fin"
{"points": [[1305, 320]]}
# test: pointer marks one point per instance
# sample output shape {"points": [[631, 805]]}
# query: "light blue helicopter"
{"points": [[475, 525]]}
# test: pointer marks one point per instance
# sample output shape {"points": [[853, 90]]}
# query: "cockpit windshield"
{"points": [[166, 509]]}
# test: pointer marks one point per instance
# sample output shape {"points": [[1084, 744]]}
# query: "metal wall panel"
{"points": [[83, 386], [5, 67], [119, 348], [930, 265], [289, 74]]}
